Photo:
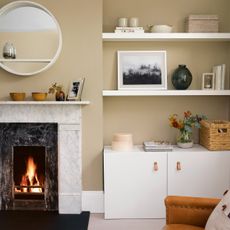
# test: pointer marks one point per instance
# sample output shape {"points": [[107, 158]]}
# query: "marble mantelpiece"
{"points": [[68, 117]]}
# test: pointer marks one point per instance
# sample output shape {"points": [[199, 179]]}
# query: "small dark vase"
{"points": [[60, 96], [182, 77]]}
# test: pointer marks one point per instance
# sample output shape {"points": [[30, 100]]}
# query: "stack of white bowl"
{"points": [[122, 141]]}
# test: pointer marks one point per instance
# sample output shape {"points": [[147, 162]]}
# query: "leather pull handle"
{"points": [[155, 166], [178, 166]]}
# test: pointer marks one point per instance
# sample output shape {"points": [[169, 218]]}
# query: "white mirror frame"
{"points": [[17, 4]]}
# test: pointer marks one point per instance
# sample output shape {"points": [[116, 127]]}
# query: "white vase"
{"points": [[185, 145]]}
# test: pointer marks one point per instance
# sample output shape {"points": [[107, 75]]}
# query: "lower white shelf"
{"points": [[111, 93]]}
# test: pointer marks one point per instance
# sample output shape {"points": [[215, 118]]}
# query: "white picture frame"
{"points": [[75, 90], [208, 82], [142, 70]]}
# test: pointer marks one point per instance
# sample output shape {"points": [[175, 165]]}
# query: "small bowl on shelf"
{"points": [[161, 29], [18, 96], [39, 96]]}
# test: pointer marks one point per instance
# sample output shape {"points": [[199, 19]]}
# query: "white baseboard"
{"points": [[93, 201]]}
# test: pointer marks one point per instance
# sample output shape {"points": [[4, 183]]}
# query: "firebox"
{"points": [[29, 177], [28, 166]]}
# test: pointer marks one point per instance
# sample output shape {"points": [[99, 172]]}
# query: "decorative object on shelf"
{"points": [[219, 72], [122, 22], [39, 96], [20, 96], [202, 24], [182, 77], [157, 146], [160, 28], [215, 134], [133, 22], [59, 93], [130, 25], [184, 140], [9, 51], [75, 90], [208, 81], [142, 70], [122, 141]]}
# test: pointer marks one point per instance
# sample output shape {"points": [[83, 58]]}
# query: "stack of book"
{"points": [[219, 73], [157, 146], [129, 30]]}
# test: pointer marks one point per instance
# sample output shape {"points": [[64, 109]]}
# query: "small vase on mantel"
{"points": [[184, 139], [60, 96]]}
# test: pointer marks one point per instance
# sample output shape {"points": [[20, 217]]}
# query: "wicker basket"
{"points": [[215, 135]]}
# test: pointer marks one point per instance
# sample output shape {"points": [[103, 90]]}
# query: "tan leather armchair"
{"points": [[188, 213]]}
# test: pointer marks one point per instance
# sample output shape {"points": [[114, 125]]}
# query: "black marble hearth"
{"points": [[17, 142]]}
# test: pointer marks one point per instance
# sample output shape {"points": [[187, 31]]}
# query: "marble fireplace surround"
{"points": [[68, 117]]}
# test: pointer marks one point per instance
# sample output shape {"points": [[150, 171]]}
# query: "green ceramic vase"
{"points": [[182, 77]]}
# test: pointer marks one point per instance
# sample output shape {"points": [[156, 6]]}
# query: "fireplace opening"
{"points": [[29, 175], [29, 166]]}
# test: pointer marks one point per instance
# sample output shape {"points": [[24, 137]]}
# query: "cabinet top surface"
{"points": [[139, 149]]}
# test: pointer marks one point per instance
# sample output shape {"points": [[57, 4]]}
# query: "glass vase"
{"points": [[184, 139]]}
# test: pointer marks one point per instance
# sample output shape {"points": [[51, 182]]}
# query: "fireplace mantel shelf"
{"points": [[44, 102]]}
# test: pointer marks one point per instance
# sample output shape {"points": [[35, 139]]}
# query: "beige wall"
{"points": [[147, 117], [81, 56]]}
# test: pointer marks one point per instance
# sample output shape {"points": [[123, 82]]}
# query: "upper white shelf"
{"points": [[44, 102], [166, 93], [26, 60], [166, 37]]}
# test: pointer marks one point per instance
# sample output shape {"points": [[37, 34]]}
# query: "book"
{"points": [[219, 72], [129, 30], [157, 146], [218, 75], [223, 67]]}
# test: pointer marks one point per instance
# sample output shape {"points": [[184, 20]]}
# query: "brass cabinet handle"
{"points": [[155, 166], [178, 166]]}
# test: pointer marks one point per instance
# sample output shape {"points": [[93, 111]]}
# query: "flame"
{"points": [[30, 178]]}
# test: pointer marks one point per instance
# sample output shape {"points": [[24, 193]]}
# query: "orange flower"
{"points": [[187, 114]]}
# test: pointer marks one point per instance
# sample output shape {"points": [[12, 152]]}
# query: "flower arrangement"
{"points": [[185, 126], [55, 88], [58, 89]]}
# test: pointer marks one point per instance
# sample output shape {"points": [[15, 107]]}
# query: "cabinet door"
{"points": [[135, 185], [201, 174]]}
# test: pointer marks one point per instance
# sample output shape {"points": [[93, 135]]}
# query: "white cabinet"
{"points": [[198, 173], [136, 182]]}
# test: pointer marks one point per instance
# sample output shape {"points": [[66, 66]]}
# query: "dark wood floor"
{"points": [[39, 220]]}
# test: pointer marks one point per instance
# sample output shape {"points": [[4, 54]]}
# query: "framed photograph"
{"points": [[208, 81], [75, 90], [142, 70]]}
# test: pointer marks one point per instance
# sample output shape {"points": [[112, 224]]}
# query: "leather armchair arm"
{"points": [[189, 210]]}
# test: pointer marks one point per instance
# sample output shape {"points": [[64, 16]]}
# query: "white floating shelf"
{"points": [[166, 37], [166, 93], [44, 102], [26, 60]]}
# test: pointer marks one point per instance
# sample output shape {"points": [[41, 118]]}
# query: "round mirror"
{"points": [[30, 38]]}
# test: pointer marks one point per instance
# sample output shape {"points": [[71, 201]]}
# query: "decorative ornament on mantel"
{"points": [[184, 139], [58, 90]]}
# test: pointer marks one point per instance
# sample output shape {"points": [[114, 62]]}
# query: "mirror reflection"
{"points": [[30, 38]]}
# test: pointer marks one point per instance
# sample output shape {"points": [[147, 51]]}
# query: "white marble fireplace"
{"points": [[68, 117]]}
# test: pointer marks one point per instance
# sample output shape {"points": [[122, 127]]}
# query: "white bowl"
{"points": [[161, 29]]}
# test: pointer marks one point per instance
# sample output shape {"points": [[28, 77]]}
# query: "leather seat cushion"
{"points": [[181, 227]]}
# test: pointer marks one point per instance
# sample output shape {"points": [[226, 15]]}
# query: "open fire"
{"points": [[30, 182]]}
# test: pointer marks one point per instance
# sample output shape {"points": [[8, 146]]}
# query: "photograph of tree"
{"points": [[142, 69]]}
